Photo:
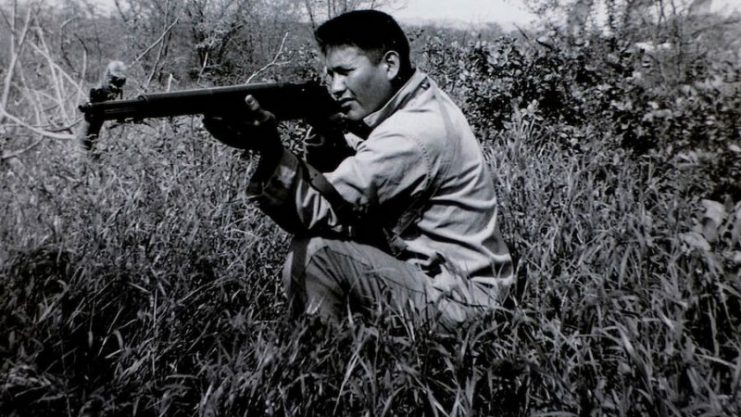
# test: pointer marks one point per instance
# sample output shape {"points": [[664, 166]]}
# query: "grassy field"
{"points": [[143, 282]]}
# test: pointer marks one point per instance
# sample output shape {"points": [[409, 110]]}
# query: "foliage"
{"points": [[600, 86], [318, 11], [144, 283]]}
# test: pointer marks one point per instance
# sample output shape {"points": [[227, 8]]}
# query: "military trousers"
{"points": [[334, 278]]}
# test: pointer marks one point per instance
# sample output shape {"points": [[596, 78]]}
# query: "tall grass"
{"points": [[144, 283]]}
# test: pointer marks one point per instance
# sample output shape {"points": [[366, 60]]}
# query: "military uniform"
{"points": [[409, 219]]}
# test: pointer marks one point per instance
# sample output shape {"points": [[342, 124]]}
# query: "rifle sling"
{"points": [[345, 211]]}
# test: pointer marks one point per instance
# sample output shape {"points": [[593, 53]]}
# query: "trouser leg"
{"points": [[326, 276]]}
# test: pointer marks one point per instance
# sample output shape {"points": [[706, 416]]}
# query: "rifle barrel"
{"points": [[285, 100]]}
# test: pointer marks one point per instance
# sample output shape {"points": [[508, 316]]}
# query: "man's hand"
{"points": [[256, 130], [328, 124], [326, 147]]}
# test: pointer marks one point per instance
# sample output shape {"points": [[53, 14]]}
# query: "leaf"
{"points": [[715, 215], [715, 211], [695, 240], [736, 229]]}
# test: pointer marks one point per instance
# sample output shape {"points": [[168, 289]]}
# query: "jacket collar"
{"points": [[398, 100]]}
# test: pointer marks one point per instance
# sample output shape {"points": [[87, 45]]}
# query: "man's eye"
{"points": [[341, 71]]}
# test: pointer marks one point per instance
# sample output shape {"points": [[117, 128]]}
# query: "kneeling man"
{"points": [[393, 210]]}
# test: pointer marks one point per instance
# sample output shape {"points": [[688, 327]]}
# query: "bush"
{"points": [[599, 86]]}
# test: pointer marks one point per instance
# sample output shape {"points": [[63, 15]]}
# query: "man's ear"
{"points": [[392, 63]]}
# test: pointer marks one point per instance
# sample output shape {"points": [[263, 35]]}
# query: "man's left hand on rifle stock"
{"points": [[255, 130]]}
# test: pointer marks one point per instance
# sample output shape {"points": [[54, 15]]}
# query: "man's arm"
{"points": [[387, 171], [299, 198]]}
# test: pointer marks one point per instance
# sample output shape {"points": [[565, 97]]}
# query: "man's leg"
{"points": [[325, 276]]}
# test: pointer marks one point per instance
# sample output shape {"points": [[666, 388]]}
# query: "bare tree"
{"points": [[326, 9], [213, 25]]}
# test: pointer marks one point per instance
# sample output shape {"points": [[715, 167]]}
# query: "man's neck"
{"points": [[402, 79]]}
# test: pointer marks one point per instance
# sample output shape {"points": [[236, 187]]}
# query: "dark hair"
{"points": [[370, 30]]}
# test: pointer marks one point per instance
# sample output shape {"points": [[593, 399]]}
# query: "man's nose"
{"points": [[337, 85]]}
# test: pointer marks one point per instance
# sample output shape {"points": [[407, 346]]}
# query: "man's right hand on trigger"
{"points": [[254, 130], [328, 123]]}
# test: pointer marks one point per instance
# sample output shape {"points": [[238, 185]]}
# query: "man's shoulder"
{"points": [[430, 117], [414, 122]]}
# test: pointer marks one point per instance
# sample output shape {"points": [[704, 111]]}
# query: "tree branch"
{"points": [[155, 43], [14, 54], [42, 132], [163, 45], [5, 156], [272, 63]]}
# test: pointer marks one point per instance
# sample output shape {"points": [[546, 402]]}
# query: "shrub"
{"points": [[599, 86]]}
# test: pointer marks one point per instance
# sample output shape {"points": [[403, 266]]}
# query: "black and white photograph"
{"points": [[438, 208]]}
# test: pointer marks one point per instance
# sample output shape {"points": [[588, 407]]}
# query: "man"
{"points": [[403, 218]]}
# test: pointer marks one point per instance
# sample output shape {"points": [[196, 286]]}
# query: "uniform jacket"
{"points": [[417, 172]]}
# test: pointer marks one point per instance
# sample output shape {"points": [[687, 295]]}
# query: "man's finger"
{"points": [[252, 103], [259, 115]]}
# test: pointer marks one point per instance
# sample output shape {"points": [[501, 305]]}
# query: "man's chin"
{"points": [[354, 116]]}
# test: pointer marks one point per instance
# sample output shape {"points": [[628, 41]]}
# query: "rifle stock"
{"points": [[285, 100]]}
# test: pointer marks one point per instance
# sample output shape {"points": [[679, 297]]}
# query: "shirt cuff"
{"points": [[273, 179]]}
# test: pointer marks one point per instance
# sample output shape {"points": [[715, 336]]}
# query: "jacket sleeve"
{"points": [[386, 171]]}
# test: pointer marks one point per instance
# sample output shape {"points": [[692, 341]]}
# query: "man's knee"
{"points": [[310, 277], [302, 252]]}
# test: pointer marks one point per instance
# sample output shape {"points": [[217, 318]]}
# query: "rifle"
{"points": [[285, 100]]}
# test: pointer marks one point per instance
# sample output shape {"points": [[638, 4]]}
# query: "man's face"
{"points": [[360, 86]]}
